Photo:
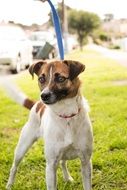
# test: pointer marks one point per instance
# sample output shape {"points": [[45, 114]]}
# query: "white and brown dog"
{"points": [[61, 118]]}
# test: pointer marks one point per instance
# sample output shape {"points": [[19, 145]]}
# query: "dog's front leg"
{"points": [[51, 167], [25, 142], [66, 174], [29, 134], [86, 174]]}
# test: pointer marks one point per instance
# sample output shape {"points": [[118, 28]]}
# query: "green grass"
{"points": [[109, 117]]}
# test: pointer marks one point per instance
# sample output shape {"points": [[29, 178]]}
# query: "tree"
{"points": [[83, 23]]}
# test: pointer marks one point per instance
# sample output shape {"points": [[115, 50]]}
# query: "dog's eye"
{"points": [[42, 79], [60, 79]]}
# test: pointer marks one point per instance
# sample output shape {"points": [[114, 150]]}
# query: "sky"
{"points": [[33, 11]]}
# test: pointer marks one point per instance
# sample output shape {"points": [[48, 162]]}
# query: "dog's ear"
{"points": [[35, 67], [75, 68]]}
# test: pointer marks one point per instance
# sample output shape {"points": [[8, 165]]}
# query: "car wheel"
{"points": [[18, 65]]}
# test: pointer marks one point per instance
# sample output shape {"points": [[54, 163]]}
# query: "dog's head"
{"points": [[58, 79]]}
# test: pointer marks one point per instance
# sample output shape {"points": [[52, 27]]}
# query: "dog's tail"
{"points": [[16, 94]]}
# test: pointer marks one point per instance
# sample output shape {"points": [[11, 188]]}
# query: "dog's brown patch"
{"points": [[75, 68], [35, 67], [64, 70], [74, 88], [40, 108], [28, 103]]}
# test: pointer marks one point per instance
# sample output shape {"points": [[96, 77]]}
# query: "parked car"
{"points": [[15, 48], [44, 45]]}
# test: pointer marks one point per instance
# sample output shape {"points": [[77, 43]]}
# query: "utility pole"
{"points": [[65, 26]]}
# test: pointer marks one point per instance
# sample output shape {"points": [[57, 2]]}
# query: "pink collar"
{"points": [[70, 116]]}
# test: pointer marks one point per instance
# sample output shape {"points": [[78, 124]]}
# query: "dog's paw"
{"points": [[69, 179], [8, 186]]}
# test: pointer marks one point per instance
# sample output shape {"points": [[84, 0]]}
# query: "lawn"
{"points": [[108, 101]]}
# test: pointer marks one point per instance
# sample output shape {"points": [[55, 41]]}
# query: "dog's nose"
{"points": [[45, 96]]}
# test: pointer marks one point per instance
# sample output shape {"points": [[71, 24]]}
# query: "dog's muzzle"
{"points": [[48, 97], [51, 97]]}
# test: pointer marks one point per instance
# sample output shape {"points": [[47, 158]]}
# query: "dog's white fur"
{"points": [[64, 138]]}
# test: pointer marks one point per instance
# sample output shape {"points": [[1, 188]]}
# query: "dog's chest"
{"points": [[72, 138], [67, 137]]}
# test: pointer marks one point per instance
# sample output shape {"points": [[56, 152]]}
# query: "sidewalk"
{"points": [[117, 55]]}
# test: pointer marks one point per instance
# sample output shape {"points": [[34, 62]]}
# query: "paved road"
{"points": [[117, 55], [4, 72]]}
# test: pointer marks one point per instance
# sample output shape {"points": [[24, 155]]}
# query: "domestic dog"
{"points": [[61, 118]]}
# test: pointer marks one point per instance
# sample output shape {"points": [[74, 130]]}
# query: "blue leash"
{"points": [[57, 26]]}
